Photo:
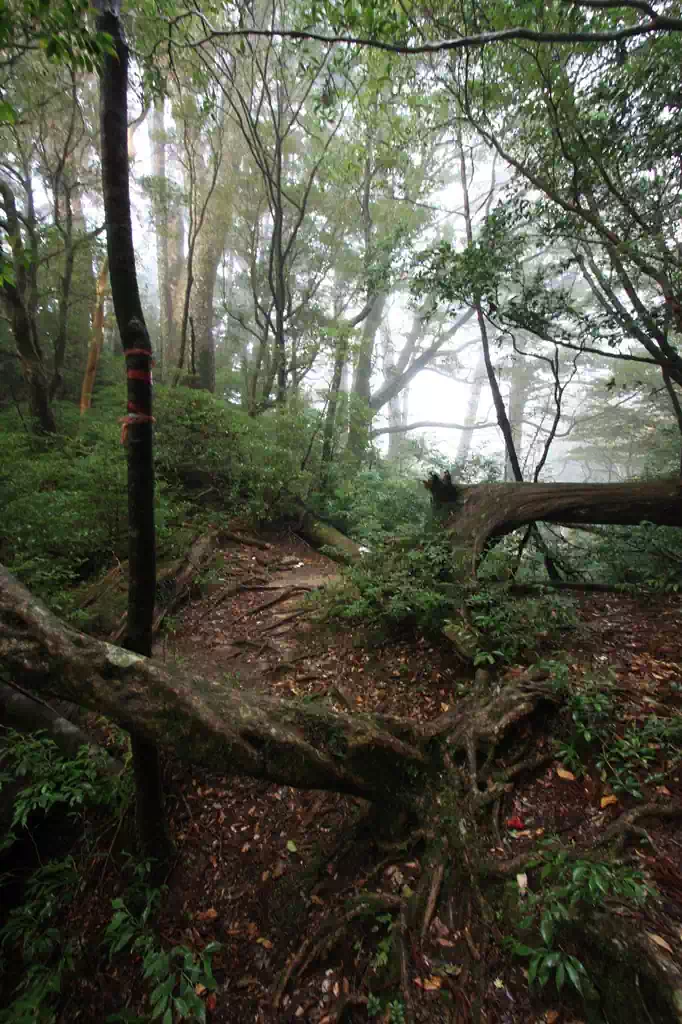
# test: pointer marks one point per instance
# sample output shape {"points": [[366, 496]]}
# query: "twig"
{"points": [[281, 622], [267, 604], [239, 538]]}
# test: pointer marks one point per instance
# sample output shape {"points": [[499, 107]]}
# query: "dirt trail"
{"points": [[260, 866]]}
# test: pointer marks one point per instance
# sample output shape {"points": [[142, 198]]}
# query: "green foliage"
{"points": [[623, 751], [375, 503], [399, 584], [511, 627], [568, 890], [173, 975], [32, 931], [410, 581], [65, 504], [53, 779], [65, 498], [640, 555], [257, 468]]}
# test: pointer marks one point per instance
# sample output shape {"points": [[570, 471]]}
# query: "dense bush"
{"points": [[65, 506], [639, 555], [408, 582], [65, 498], [257, 468]]}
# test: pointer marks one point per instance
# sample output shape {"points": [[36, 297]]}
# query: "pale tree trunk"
{"points": [[519, 392], [160, 213], [330, 420], [502, 418], [360, 412], [208, 255], [475, 391], [397, 405]]}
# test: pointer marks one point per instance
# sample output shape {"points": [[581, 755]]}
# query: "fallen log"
{"points": [[446, 775], [322, 535], [293, 743], [474, 515]]}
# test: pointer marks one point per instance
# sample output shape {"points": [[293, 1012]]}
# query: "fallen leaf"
{"points": [[207, 915], [316, 899], [432, 983], [498, 983], [522, 881], [606, 801], [515, 822], [445, 942], [552, 1016], [660, 941], [264, 942], [291, 846], [199, 989], [211, 1000], [564, 774], [445, 707], [663, 790], [264, 877]]}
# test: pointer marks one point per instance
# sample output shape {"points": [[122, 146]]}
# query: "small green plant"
{"points": [[177, 975], [385, 945], [395, 1009], [622, 751], [569, 888], [52, 779], [32, 930]]}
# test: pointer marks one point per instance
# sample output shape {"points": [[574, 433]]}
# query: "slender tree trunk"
{"points": [[19, 299], [360, 413], [151, 821], [502, 418], [521, 379], [97, 338], [160, 212], [340, 361], [464, 446], [208, 256]]}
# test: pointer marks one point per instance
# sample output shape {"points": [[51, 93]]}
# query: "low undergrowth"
{"points": [[409, 583]]}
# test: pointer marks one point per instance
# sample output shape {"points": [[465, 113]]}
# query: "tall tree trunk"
{"points": [[208, 256], [18, 297], [330, 425], [151, 821], [502, 418], [160, 213], [479, 379], [360, 412], [519, 391], [96, 340]]}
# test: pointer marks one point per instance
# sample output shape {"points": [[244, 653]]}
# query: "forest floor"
{"points": [[259, 866]]}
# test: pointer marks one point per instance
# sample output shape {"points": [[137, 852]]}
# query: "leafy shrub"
{"points": [[52, 779], [410, 582], [645, 554], [65, 507], [623, 751], [32, 930], [176, 976], [399, 584], [568, 889], [255, 468], [376, 503]]}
